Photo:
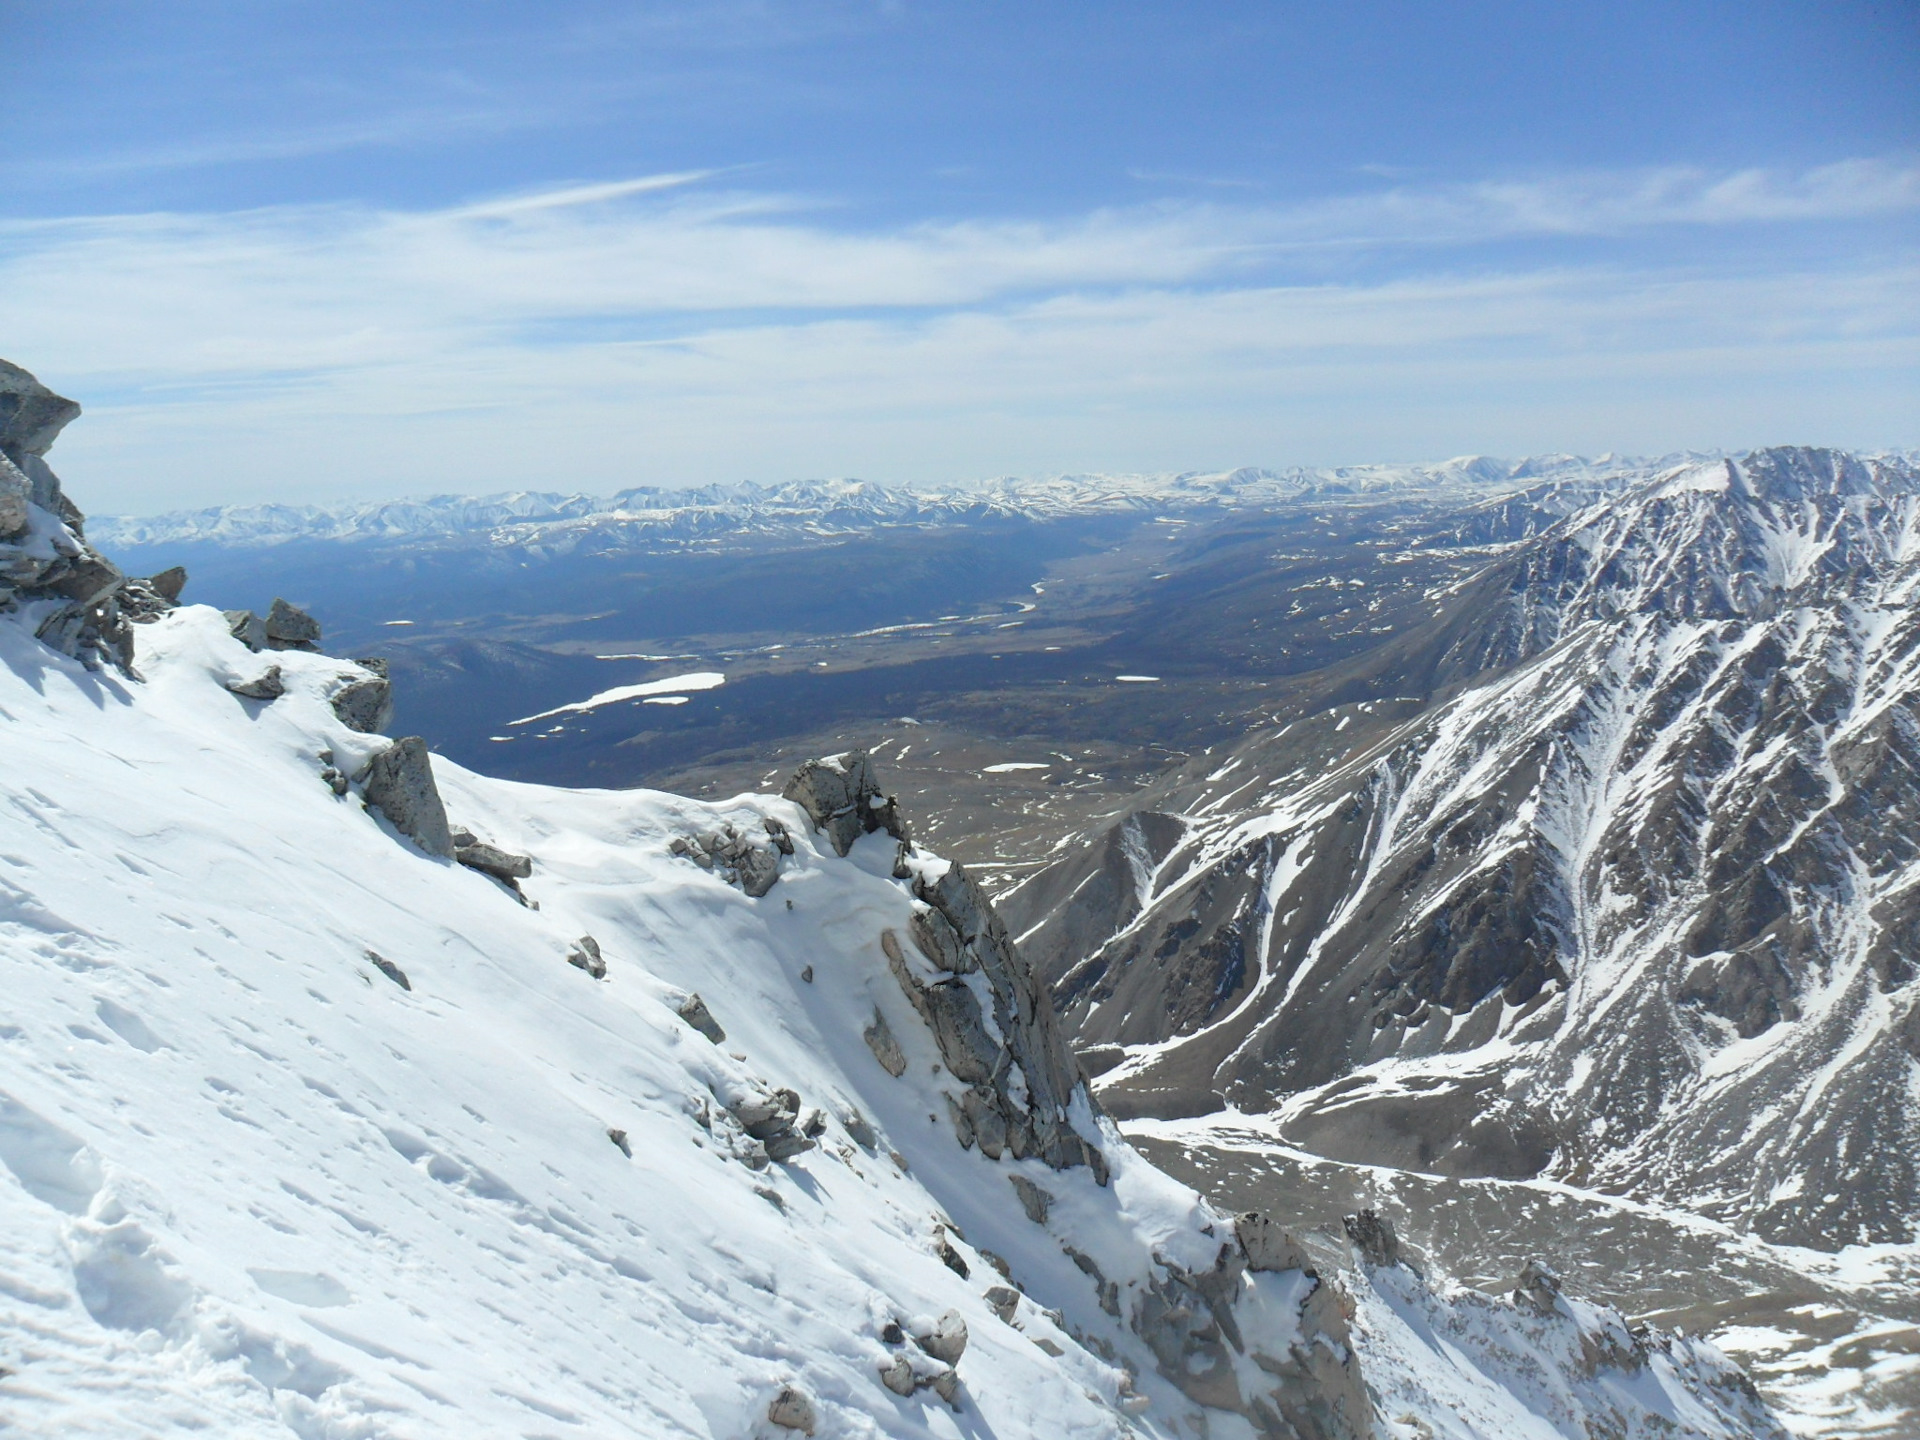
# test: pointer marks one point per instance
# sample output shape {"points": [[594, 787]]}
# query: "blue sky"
{"points": [[311, 251]]}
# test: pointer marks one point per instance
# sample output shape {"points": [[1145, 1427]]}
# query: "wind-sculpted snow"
{"points": [[553, 524], [306, 1132], [1638, 907]]}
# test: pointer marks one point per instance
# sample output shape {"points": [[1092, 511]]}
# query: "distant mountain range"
{"points": [[555, 522]]}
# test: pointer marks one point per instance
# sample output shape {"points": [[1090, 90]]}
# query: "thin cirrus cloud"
{"points": [[659, 330]]}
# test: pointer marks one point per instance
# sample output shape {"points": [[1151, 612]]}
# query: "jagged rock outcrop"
{"points": [[72, 591], [400, 786], [840, 793], [991, 1019]]}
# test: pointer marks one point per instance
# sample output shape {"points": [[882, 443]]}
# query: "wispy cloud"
{"points": [[657, 328]]}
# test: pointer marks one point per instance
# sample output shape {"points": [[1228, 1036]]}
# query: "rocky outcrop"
{"points": [[991, 1019], [1010, 1052], [365, 704], [840, 794], [72, 593], [753, 867], [400, 786]]}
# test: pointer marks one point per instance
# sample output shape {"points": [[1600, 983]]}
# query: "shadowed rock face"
{"points": [[1648, 874]]}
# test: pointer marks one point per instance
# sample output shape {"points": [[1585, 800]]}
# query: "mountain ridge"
{"points": [[549, 517]]}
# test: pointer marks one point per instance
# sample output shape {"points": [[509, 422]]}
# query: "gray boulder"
{"points": [[759, 870], [265, 686], [791, 1409], [246, 627], [392, 971], [694, 1011], [291, 628], [947, 1341], [897, 1375], [365, 705], [754, 868], [886, 1049], [490, 860], [585, 955], [43, 549], [940, 943], [1035, 1201], [400, 786], [169, 583]]}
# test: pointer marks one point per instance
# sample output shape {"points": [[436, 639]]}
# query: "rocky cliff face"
{"points": [[79, 601], [1633, 903]]}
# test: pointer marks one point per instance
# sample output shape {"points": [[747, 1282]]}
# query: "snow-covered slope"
{"points": [[1636, 908], [554, 523], [305, 1130], [253, 1184]]}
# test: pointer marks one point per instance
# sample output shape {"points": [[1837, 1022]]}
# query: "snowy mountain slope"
{"points": [[552, 523], [1636, 908], [253, 1182], [306, 1129]]}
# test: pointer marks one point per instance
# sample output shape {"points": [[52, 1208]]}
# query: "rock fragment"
{"points": [[949, 1256], [619, 1138], [288, 627], [489, 859], [392, 971], [754, 868], [584, 954], [246, 627], [791, 1409], [694, 1011], [400, 786], [268, 685], [879, 1038], [947, 1341], [31, 415], [897, 1375], [365, 705], [1003, 1300], [1036, 1202], [169, 583]]}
